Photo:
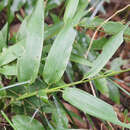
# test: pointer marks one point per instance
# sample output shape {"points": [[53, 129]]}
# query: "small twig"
{"points": [[97, 9], [110, 125], [57, 89], [95, 33], [92, 88], [15, 85], [22, 12], [34, 114]]}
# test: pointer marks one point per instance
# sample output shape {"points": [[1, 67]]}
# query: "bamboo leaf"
{"points": [[9, 70], [70, 9], [80, 11], [101, 85], [108, 51], [110, 27], [11, 53], [92, 105], [59, 54], [79, 59], [22, 122], [3, 37], [29, 62]]}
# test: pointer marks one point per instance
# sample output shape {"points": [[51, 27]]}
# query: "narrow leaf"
{"points": [[59, 54], [8, 70], [22, 122], [114, 92], [70, 9], [80, 11], [108, 51], [3, 37], [92, 105], [101, 85], [28, 64], [11, 53], [81, 60]]}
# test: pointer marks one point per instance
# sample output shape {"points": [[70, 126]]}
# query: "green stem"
{"points": [[8, 15], [8, 120], [27, 95], [86, 80]]}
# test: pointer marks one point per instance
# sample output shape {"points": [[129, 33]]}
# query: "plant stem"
{"points": [[27, 95]]}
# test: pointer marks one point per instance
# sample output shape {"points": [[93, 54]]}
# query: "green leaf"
{"points": [[118, 86], [108, 51], [22, 122], [8, 70], [22, 32], [101, 85], [59, 116], [3, 37], [115, 27], [80, 11], [43, 96], [29, 62], [17, 4], [113, 92], [3, 4], [53, 30], [59, 54], [92, 105], [70, 9], [79, 59], [110, 27], [98, 44], [11, 53], [117, 63], [2, 93]]}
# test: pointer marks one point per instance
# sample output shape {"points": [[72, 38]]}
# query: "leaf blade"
{"points": [[28, 64], [108, 51], [59, 54], [91, 105]]}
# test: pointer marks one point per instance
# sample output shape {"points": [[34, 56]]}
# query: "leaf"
{"points": [[101, 85], [59, 54], [3, 4], [11, 53], [53, 30], [113, 92], [108, 51], [29, 62], [110, 27], [91, 105], [59, 116], [2, 93], [118, 86], [115, 27], [79, 59], [91, 23], [17, 4], [8, 70], [80, 11], [22, 32], [98, 44], [22, 122], [117, 63], [3, 37], [70, 9], [42, 95]]}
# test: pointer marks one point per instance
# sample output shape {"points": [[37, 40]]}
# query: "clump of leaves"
{"points": [[38, 71]]}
